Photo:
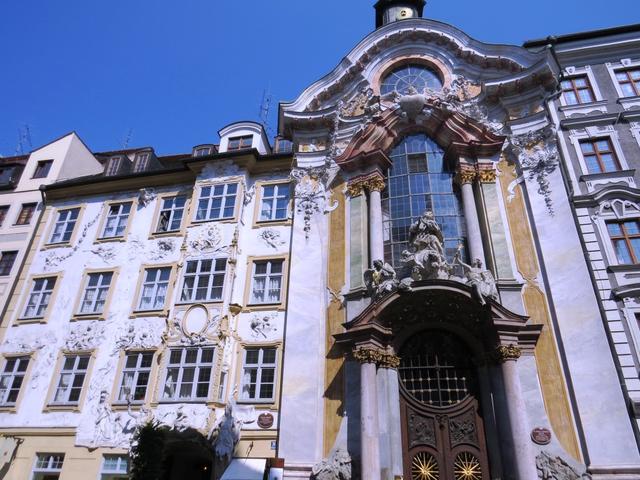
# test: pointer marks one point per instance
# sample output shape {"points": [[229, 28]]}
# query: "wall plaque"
{"points": [[541, 436], [265, 420]]}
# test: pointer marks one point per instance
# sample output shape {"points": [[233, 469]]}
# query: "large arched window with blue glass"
{"points": [[419, 180]]}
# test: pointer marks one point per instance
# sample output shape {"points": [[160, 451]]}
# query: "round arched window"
{"points": [[402, 79]]}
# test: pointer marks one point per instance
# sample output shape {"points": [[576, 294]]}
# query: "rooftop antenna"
{"points": [[265, 108], [127, 139], [24, 140]]}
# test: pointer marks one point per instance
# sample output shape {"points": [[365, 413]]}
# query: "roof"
{"points": [[15, 160], [586, 35]]}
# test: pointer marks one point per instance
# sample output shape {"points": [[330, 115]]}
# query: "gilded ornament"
{"points": [[374, 184], [355, 189], [507, 352], [487, 175], [466, 176], [380, 357]]}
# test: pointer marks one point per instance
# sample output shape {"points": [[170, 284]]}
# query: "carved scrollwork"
{"points": [[422, 431], [462, 429]]}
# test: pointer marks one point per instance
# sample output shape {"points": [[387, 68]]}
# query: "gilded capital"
{"points": [[381, 358], [355, 189], [466, 176], [506, 352], [374, 184], [486, 175]]}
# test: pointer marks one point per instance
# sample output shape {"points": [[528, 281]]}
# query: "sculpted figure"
{"points": [[105, 424], [426, 257], [479, 278], [380, 279], [336, 467]]}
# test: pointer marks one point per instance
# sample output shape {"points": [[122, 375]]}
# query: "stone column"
{"points": [[389, 419], [375, 185], [524, 456], [369, 428], [466, 177]]}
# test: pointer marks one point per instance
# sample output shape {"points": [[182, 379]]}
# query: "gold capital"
{"points": [[486, 175], [381, 358], [506, 352]]}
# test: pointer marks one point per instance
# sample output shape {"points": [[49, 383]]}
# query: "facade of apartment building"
{"points": [[403, 294]]}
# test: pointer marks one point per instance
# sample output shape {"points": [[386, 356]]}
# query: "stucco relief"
{"points": [[312, 194], [84, 336], [336, 467], [195, 326], [618, 207], [263, 326], [140, 335], [538, 156], [555, 468], [208, 240], [106, 252], [146, 196], [57, 256], [223, 168], [36, 342], [271, 237], [225, 434]]}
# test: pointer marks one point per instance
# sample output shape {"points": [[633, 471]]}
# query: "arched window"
{"points": [[419, 181]]}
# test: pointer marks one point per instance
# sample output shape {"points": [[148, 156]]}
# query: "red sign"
{"points": [[541, 436]]}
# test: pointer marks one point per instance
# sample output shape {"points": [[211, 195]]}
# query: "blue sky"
{"points": [[170, 74]]}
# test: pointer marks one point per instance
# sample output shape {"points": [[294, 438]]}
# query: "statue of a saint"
{"points": [[479, 278], [380, 279]]}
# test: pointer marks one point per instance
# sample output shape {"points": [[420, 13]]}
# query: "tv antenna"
{"points": [[265, 108], [127, 139], [24, 140]]}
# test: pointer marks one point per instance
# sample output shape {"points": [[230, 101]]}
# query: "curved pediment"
{"points": [[458, 134], [453, 52]]}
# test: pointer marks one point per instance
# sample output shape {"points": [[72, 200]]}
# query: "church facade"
{"points": [[429, 276]]}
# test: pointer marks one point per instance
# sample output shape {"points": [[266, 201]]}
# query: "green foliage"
{"points": [[147, 452]]}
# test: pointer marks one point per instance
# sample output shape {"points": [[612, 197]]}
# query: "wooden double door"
{"points": [[442, 429]]}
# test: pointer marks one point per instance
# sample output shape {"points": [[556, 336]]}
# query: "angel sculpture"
{"points": [[478, 278], [380, 279]]}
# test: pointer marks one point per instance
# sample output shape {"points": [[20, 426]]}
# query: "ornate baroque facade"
{"points": [[432, 277]]}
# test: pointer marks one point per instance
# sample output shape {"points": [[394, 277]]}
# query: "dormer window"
{"points": [[113, 166], [42, 169], [240, 143], [141, 162], [283, 146], [203, 151]]}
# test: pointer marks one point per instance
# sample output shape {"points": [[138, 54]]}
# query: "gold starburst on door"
{"points": [[424, 467], [467, 467]]}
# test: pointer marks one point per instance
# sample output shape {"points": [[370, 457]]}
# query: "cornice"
{"points": [[607, 193]]}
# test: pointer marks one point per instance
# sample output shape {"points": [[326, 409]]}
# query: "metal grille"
{"points": [[436, 369]]}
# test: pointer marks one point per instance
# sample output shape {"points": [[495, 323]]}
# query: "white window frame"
{"points": [[198, 151], [113, 166], [225, 199], [49, 468], [7, 378], [240, 138], [198, 274], [118, 473], [141, 162], [74, 371], [120, 217], [273, 202], [181, 367], [172, 210], [573, 72], [155, 283], [99, 289], [63, 221], [135, 372], [259, 368], [46, 292], [267, 277]]}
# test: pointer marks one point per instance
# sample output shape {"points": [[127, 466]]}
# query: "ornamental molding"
{"points": [[208, 240], [487, 175], [195, 326], [372, 182], [271, 237], [466, 175], [85, 336], [263, 326], [618, 208], [504, 353], [556, 468], [140, 335], [537, 154], [146, 196]]}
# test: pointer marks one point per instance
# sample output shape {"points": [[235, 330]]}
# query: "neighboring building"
{"points": [[324, 311], [598, 120], [21, 199]]}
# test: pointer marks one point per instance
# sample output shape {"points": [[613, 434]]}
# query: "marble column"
{"points": [[375, 186], [466, 177], [524, 455], [369, 427]]}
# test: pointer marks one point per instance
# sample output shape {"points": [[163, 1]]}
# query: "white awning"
{"points": [[245, 469]]}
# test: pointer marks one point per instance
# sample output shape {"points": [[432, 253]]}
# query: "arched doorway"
{"points": [[442, 428]]}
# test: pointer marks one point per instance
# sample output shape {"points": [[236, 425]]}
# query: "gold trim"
{"points": [[380, 357], [486, 175], [504, 353]]}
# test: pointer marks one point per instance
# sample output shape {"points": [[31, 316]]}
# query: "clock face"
{"points": [[404, 13]]}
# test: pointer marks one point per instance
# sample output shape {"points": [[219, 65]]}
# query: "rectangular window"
{"points": [[72, 375], [39, 297], [65, 223], [11, 379], [188, 373], [202, 151], [42, 169], [117, 219], [599, 155], [629, 81], [239, 143], [577, 90], [141, 162], [6, 263], [154, 288], [95, 292], [48, 466], [203, 280], [113, 166], [625, 237], [217, 202], [4, 209], [135, 376], [259, 374], [26, 213], [275, 202], [266, 284], [114, 467], [171, 214], [283, 146]]}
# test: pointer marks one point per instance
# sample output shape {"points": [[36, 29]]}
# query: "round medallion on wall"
{"points": [[195, 320], [265, 420], [541, 436]]}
